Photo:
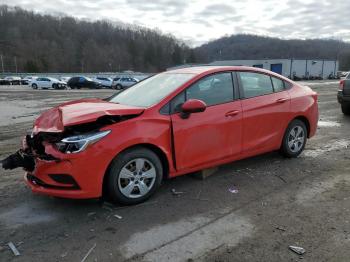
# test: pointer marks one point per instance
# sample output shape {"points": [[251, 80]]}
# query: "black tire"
{"points": [[345, 108], [34, 86], [113, 173], [285, 149], [119, 87], [54, 86]]}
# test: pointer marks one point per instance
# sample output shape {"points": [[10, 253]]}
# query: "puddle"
{"points": [[328, 124], [335, 145], [185, 240], [25, 215]]}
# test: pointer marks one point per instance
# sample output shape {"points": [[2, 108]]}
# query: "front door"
{"points": [[210, 135]]}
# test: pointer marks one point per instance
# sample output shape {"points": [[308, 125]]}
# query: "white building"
{"points": [[289, 67]]}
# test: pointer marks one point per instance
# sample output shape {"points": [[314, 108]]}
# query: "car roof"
{"points": [[198, 70]]}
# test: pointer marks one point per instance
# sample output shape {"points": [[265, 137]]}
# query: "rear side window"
{"points": [[278, 84], [213, 90], [255, 84]]}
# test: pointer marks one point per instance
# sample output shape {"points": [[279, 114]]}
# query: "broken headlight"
{"points": [[76, 144]]}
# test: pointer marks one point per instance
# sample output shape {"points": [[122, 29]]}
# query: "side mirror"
{"points": [[192, 106]]}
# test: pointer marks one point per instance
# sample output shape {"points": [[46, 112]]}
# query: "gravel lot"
{"points": [[280, 202]]}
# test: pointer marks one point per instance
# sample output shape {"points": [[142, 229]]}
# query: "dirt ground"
{"points": [[280, 202]]}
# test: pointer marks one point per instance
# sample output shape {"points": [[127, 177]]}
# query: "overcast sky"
{"points": [[199, 21]]}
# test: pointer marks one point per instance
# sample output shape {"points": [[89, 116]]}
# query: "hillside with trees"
{"points": [[32, 42], [258, 47]]}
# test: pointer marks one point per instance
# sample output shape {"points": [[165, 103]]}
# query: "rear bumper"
{"points": [[343, 98]]}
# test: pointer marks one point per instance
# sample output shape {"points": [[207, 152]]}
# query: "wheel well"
{"points": [[306, 122], [153, 148]]}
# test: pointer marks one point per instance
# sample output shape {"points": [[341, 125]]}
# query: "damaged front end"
{"points": [[73, 139], [59, 153]]}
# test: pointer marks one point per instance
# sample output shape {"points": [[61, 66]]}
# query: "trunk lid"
{"points": [[80, 112]]}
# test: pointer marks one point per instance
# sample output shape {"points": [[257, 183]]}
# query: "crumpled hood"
{"points": [[80, 112]]}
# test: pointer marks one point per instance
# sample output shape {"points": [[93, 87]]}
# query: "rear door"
{"points": [[266, 111], [210, 135]]}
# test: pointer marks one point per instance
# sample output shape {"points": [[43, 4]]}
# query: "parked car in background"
{"points": [[124, 82], [3, 81], [77, 82], [28, 79], [167, 125], [47, 82], [104, 81], [65, 79], [344, 94], [13, 80]]}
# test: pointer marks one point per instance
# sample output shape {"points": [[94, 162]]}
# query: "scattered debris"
{"points": [[117, 216], [233, 190], [64, 254], [14, 249], [280, 228], [281, 178], [88, 253], [176, 193], [199, 193], [107, 208], [297, 250]]}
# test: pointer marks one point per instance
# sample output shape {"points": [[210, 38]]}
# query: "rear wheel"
{"points": [[119, 87], [134, 176], [345, 108], [294, 139]]}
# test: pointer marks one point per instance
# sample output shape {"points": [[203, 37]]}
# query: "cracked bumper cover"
{"points": [[69, 176]]}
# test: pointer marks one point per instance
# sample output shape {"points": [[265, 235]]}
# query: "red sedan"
{"points": [[170, 124]]}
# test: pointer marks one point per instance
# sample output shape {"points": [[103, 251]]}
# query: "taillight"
{"points": [[341, 84]]}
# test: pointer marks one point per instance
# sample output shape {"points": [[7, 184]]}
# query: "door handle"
{"points": [[232, 113], [281, 100]]}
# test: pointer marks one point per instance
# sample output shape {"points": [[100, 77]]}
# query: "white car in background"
{"points": [[124, 82], [104, 81], [48, 82]]}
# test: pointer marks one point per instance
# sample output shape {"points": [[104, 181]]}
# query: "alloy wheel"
{"points": [[296, 139], [136, 178]]}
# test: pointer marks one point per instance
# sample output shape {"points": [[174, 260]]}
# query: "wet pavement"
{"points": [[276, 203]]}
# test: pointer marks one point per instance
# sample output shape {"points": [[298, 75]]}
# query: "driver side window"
{"points": [[212, 90]]}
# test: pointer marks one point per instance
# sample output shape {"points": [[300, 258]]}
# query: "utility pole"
{"points": [[16, 63], [2, 64]]}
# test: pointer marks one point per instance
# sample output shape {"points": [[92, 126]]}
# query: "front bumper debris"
{"points": [[19, 159]]}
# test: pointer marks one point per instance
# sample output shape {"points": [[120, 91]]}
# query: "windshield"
{"points": [[152, 90]]}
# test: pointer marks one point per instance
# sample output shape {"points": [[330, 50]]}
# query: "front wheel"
{"points": [[294, 139], [134, 176], [345, 108], [34, 86]]}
